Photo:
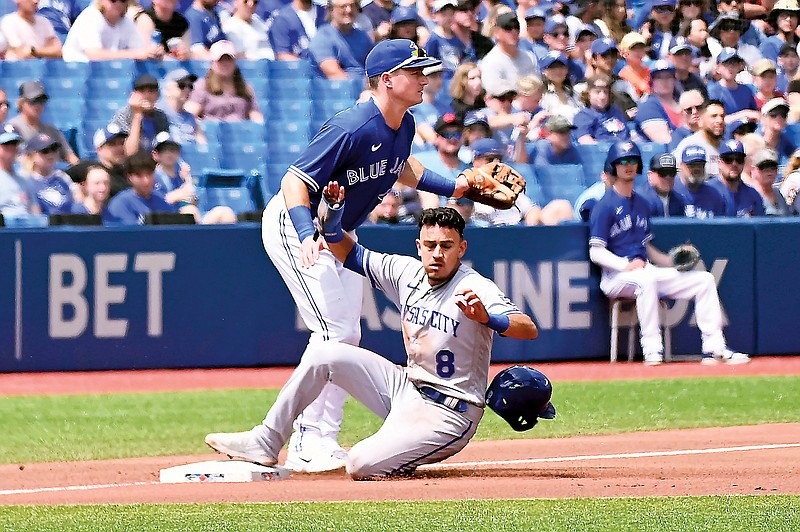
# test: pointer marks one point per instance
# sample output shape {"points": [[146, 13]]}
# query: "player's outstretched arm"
{"points": [[330, 218], [416, 176], [517, 325]]}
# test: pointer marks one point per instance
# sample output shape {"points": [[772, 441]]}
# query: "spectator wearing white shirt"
{"points": [[102, 32], [248, 32], [506, 62], [29, 34]]}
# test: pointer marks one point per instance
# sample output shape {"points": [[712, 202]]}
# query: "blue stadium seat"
{"points": [[199, 67], [273, 174], [63, 112], [244, 131], [260, 87], [27, 69], [7, 6], [114, 69], [101, 109], [289, 88], [229, 188], [109, 88], [253, 69], [336, 89], [11, 86], [85, 137], [287, 109], [211, 128], [649, 149], [593, 158], [64, 88], [289, 69], [289, 131], [245, 156], [60, 69], [324, 109], [532, 187], [200, 156], [561, 181], [284, 153]]}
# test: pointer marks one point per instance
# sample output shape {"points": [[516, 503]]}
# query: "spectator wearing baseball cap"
{"points": [[559, 96], [659, 192], [444, 158], [476, 127], [28, 123], [533, 32], [763, 177], [176, 87], [788, 62], [557, 39], [660, 113], [784, 18], [702, 200], [130, 206], [662, 27], [739, 128], [681, 55], [633, 48], [772, 127], [738, 99], [605, 57], [600, 120], [141, 118], [741, 199], [223, 94], [765, 79], [506, 62], [405, 22], [52, 187], [17, 197], [109, 145], [556, 147]]}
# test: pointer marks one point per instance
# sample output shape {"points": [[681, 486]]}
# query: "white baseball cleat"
{"points": [[240, 445], [317, 462], [727, 356], [653, 359]]}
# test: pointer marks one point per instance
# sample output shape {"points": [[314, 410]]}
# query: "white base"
{"points": [[223, 471]]}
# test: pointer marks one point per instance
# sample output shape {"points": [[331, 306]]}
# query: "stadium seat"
{"points": [[60, 69], [562, 181], [64, 88], [532, 187], [244, 131], [649, 149], [593, 158], [199, 67], [253, 69], [101, 109], [11, 86], [284, 153], [27, 69], [114, 69], [336, 89], [7, 6], [324, 109], [211, 128], [245, 156], [289, 88], [287, 109], [200, 156], [109, 88], [85, 137], [289, 131], [289, 69], [274, 175], [260, 87], [63, 112], [229, 188]]}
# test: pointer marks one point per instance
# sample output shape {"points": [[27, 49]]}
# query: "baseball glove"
{"points": [[495, 184], [684, 257]]}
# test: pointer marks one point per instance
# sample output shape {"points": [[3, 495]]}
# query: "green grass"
{"points": [[739, 513], [84, 427]]}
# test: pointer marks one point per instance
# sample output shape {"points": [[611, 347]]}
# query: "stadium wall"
{"points": [[186, 296]]}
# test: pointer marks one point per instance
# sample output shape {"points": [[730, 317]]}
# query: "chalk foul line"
{"points": [[456, 465]]}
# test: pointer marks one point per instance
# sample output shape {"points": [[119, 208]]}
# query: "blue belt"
{"points": [[436, 396]]}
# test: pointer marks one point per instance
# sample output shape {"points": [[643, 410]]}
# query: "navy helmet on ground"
{"points": [[521, 395], [622, 150]]}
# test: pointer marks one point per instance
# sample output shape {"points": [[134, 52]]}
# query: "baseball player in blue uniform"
{"points": [[742, 199], [365, 149], [632, 267], [431, 408]]}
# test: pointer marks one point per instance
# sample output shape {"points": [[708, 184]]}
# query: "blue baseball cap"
{"points": [[729, 54], [403, 14], [393, 54], [484, 147], [604, 45], [731, 146], [660, 3], [662, 65], [740, 126], [679, 44], [104, 134], [475, 117], [586, 28], [9, 134], [536, 12], [40, 142], [554, 22], [553, 57], [693, 154]]}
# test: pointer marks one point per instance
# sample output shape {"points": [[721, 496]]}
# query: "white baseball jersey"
{"points": [[445, 349]]}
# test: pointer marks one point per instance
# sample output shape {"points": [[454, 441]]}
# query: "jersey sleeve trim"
{"points": [[596, 241], [305, 178]]}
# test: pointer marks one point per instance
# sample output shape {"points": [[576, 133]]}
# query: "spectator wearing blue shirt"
{"points": [[556, 36], [430, 109], [600, 120], [702, 200], [130, 206], [205, 27], [534, 43], [660, 113], [379, 13], [444, 158], [737, 99], [339, 49], [53, 187], [605, 56], [183, 125], [293, 27], [443, 44], [743, 201], [774, 116], [557, 146], [726, 32], [784, 19], [660, 191], [788, 62], [681, 54], [60, 13], [751, 33], [663, 27]]}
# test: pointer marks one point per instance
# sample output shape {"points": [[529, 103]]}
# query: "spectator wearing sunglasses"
{"points": [[533, 41], [506, 62], [726, 32], [444, 159], [784, 19], [556, 36], [164, 17], [53, 187], [772, 127], [742, 200], [709, 136], [17, 197], [183, 125], [247, 32], [691, 103], [659, 192], [660, 28]]}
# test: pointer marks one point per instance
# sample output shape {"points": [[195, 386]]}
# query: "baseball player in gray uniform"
{"points": [[431, 408]]}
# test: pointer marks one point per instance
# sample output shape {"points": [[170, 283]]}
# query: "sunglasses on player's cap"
{"points": [[393, 54]]}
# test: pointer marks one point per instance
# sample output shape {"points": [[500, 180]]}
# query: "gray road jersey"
{"points": [[445, 348]]}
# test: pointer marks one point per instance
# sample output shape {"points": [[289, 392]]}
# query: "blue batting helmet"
{"points": [[621, 150], [521, 395]]}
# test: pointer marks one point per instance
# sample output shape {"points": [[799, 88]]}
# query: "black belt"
{"points": [[459, 405]]}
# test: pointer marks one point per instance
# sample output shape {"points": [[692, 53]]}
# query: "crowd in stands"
{"points": [[118, 107]]}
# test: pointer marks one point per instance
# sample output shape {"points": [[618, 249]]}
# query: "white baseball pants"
{"points": [[415, 431], [648, 284], [328, 298]]}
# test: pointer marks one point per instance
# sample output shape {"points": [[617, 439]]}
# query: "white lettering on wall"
{"points": [[64, 295]]}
